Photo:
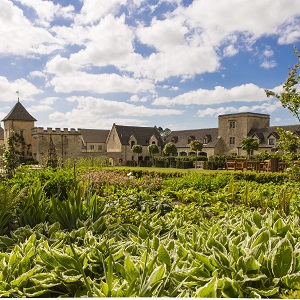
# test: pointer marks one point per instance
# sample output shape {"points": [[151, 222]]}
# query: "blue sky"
{"points": [[169, 63]]}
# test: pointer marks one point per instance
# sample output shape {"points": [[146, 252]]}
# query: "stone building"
{"points": [[116, 144], [2, 145], [17, 125], [226, 139], [121, 139]]}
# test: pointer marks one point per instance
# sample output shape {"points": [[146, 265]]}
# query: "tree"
{"points": [[153, 149], [164, 133], [290, 96], [137, 149], [249, 144], [290, 99], [170, 149], [11, 160], [288, 142], [196, 145]]}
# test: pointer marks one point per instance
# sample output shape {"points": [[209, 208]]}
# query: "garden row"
{"points": [[136, 233]]}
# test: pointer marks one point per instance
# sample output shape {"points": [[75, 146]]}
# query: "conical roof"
{"points": [[19, 113]]}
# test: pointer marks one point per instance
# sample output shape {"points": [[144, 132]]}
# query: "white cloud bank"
{"points": [[244, 93]]}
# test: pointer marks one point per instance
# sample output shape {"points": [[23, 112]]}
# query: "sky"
{"points": [[174, 64]]}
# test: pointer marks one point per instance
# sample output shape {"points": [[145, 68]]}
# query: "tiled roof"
{"points": [[264, 133], [142, 134], [1, 133], [94, 135], [199, 134], [19, 113]]}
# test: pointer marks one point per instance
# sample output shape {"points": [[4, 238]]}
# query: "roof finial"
{"points": [[18, 95]]}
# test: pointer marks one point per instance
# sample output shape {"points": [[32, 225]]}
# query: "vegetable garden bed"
{"points": [[102, 233]]}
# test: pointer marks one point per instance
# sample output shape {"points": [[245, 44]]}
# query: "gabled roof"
{"points": [[259, 135], [265, 133], [275, 134], [94, 135], [19, 113], [199, 134], [142, 134], [1, 133]]}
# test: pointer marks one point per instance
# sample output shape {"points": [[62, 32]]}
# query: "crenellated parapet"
{"points": [[54, 131]]}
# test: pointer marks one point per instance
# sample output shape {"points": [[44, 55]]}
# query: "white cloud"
{"points": [[108, 43], [163, 35], [268, 64], [99, 83], [230, 51], [181, 61], [47, 10], [49, 100], [136, 98], [92, 12], [249, 16], [34, 74], [36, 108], [104, 108], [289, 33], [92, 112], [26, 89], [263, 108], [244, 93], [19, 37]]}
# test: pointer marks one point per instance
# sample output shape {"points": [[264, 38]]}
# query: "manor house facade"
{"points": [[115, 144]]}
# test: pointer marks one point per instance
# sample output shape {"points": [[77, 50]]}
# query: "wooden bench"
{"points": [[236, 164]]}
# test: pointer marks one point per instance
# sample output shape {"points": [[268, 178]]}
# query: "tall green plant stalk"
{"points": [[284, 196]]}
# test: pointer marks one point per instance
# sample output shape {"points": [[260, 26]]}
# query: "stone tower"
{"points": [[17, 125], [233, 128]]}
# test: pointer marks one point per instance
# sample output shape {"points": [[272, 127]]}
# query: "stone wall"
{"points": [[67, 143]]}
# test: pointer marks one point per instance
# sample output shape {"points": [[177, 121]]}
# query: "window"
{"points": [[271, 141], [99, 147], [191, 138], [205, 140], [92, 147], [132, 144], [153, 142], [232, 124], [232, 140], [174, 139]]}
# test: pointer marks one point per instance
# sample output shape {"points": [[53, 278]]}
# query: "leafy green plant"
{"points": [[34, 207]]}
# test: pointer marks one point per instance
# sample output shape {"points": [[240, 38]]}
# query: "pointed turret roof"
{"points": [[19, 113]]}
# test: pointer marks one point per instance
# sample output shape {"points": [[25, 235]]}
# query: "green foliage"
{"points": [[290, 96], [244, 254], [170, 149], [153, 149], [196, 145], [137, 149], [288, 142], [34, 207], [9, 200], [249, 144], [195, 235], [10, 158]]}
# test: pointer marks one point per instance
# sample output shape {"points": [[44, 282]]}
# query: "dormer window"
{"points": [[205, 140], [174, 139], [232, 124], [191, 138], [271, 141], [132, 144]]}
